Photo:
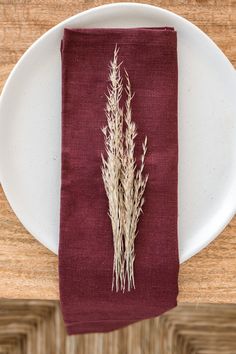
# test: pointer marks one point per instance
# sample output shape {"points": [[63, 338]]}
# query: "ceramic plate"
{"points": [[30, 113]]}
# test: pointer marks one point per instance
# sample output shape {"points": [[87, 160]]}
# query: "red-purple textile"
{"points": [[86, 247]]}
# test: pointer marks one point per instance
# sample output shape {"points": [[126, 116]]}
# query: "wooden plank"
{"points": [[29, 270]]}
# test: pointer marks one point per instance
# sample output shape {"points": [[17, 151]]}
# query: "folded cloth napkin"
{"points": [[86, 248]]}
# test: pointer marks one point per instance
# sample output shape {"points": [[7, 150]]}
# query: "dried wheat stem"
{"points": [[111, 168], [124, 182], [133, 188]]}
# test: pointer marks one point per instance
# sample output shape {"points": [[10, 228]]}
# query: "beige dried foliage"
{"points": [[124, 182]]}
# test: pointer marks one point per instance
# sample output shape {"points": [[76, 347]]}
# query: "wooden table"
{"points": [[29, 270]]}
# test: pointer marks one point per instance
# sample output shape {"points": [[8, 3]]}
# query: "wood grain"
{"points": [[29, 270]]}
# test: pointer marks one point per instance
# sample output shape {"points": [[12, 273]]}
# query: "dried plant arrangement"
{"points": [[124, 182]]}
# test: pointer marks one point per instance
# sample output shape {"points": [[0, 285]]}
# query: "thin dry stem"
{"points": [[111, 168], [124, 182], [134, 185]]}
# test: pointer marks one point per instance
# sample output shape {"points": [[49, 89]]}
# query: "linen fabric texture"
{"points": [[86, 243]]}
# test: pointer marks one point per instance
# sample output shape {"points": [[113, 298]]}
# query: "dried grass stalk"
{"points": [[124, 182], [111, 169], [133, 185]]}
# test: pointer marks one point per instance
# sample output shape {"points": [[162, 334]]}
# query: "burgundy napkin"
{"points": [[86, 249]]}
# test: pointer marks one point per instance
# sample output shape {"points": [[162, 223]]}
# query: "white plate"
{"points": [[30, 113]]}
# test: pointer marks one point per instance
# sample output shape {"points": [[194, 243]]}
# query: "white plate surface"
{"points": [[30, 114]]}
